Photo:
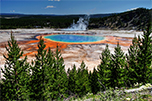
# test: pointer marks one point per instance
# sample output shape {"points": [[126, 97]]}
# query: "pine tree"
{"points": [[37, 77], [139, 58], [104, 68], [118, 68], [144, 55], [15, 72], [78, 81], [48, 78], [60, 84], [49, 75], [150, 81], [94, 84], [83, 84], [72, 77], [133, 70]]}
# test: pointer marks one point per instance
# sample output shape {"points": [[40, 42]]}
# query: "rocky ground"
{"points": [[72, 53]]}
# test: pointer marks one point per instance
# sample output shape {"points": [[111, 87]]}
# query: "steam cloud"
{"points": [[81, 24]]}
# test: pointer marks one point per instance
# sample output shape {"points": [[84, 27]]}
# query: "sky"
{"points": [[67, 7]]}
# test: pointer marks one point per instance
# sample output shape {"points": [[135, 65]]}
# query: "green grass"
{"points": [[116, 95]]}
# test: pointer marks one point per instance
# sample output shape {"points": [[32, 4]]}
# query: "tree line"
{"points": [[134, 19], [45, 77], [29, 22]]}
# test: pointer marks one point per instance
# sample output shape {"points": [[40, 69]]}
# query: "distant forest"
{"points": [[135, 19]]}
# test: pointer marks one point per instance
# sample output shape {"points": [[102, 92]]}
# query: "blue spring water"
{"points": [[74, 38]]}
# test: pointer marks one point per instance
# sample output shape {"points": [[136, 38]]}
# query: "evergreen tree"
{"points": [[139, 58], [104, 68], [48, 79], [49, 75], [133, 70], [15, 73], [144, 55], [94, 84], [37, 77], [150, 75], [78, 81], [83, 84], [72, 77], [118, 68], [60, 84]]}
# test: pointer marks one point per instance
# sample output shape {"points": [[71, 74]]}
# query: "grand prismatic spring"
{"points": [[76, 46], [68, 38]]}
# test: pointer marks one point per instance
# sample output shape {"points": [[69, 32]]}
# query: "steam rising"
{"points": [[81, 24]]}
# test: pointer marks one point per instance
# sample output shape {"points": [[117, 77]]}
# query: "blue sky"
{"points": [[62, 7]]}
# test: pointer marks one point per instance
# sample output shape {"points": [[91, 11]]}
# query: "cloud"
{"points": [[50, 7], [53, 0], [132, 9], [12, 10]]}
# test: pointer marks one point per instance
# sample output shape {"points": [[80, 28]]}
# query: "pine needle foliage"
{"points": [[133, 70], [48, 79], [104, 68], [118, 68], [144, 57], [94, 84], [139, 58], [60, 82], [15, 72], [37, 77], [83, 84], [78, 80], [72, 77]]}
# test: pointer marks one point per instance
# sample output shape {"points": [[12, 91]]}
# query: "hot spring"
{"points": [[69, 38], [79, 38]]}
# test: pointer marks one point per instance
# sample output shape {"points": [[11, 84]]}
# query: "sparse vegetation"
{"points": [[131, 20]]}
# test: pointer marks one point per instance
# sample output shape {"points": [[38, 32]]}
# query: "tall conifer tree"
{"points": [[72, 78], [60, 84], [104, 68], [79, 80], [144, 55], [15, 72], [118, 65], [133, 70], [37, 77], [139, 58], [94, 84], [48, 79], [83, 84], [49, 75]]}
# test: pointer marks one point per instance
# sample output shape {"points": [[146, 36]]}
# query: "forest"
{"points": [[45, 77], [130, 20]]}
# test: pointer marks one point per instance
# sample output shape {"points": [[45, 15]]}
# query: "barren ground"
{"points": [[72, 53]]}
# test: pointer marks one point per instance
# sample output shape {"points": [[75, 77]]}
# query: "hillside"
{"points": [[135, 19]]}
